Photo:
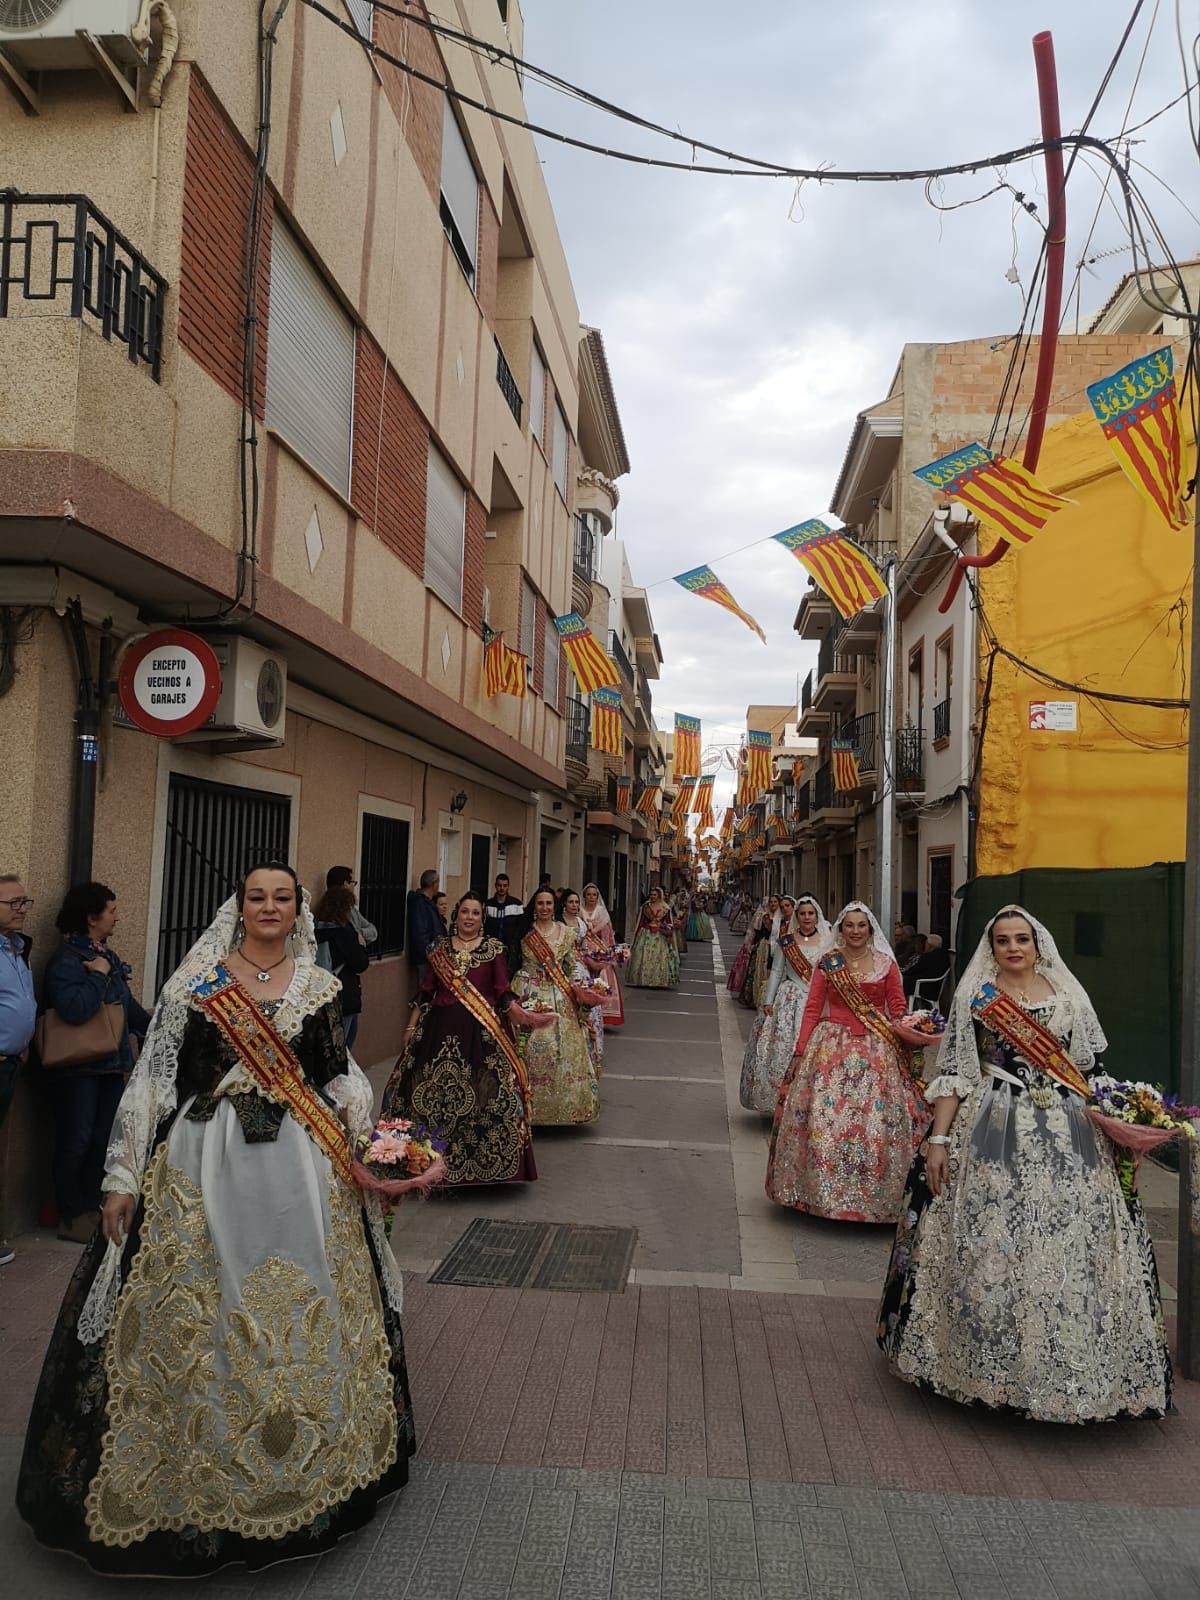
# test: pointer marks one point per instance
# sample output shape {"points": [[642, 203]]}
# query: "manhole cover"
{"points": [[540, 1255]]}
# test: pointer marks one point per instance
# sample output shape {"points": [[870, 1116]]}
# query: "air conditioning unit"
{"points": [[253, 702], [43, 35]]}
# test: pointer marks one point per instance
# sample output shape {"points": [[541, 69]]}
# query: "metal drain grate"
{"points": [[541, 1255]]}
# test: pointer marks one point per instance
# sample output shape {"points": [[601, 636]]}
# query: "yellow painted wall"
{"points": [[1088, 600]]}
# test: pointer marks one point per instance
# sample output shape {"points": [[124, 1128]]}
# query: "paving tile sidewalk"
{"points": [[688, 1440]]}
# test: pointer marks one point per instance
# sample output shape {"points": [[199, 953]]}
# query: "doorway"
{"points": [[480, 876], [941, 891]]}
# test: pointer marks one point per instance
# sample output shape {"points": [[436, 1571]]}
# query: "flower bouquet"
{"points": [[619, 954], [920, 1029], [1137, 1118], [397, 1158]]}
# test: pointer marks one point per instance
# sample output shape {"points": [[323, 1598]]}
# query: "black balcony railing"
{"points": [[803, 802], [508, 384], [643, 692], [58, 250], [578, 729], [910, 758], [861, 733], [941, 719], [806, 693], [828, 659], [617, 651], [585, 550], [822, 788]]}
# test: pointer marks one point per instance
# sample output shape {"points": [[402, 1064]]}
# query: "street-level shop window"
{"points": [[383, 879], [310, 362], [460, 194], [445, 522]]}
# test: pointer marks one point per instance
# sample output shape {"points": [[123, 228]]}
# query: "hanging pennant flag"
{"points": [[845, 766], [592, 668], [608, 733], [624, 794], [687, 746], [682, 802], [665, 825], [1003, 494], [746, 823], [839, 566], [778, 826], [504, 669], [704, 582], [647, 801], [727, 825], [758, 759], [702, 804], [1138, 410]]}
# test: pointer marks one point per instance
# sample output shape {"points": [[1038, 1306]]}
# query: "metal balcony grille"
{"points": [[584, 561], [508, 384], [861, 733], [941, 719], [58, 251], [578, 729], [383, 879], [617, 651], [823, 788], [804, 802], [910, 758], [806, 693]]}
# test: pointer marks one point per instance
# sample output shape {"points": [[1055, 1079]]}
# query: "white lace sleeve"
{"points": [[957, 1070], [149, 1097], [352, 1094]]}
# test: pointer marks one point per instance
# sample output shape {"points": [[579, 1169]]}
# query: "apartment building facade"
{"points": [[319, 403]]}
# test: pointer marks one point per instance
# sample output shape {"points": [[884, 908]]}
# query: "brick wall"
{"points": [[474, 547], [402, 457], [217, 181], [487, 262], [418, 106]]}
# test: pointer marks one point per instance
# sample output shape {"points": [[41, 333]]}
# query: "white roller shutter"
{"points": [[460, 186], [551, 665], [559, 458], [310, 363], [528, 622], [537, 397], [445, 522], [360, 14]]}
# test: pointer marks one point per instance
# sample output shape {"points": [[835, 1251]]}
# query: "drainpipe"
{"points": [[90, 696]]}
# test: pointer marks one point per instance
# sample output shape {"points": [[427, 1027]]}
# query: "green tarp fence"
{"points": [[1121, 933]]}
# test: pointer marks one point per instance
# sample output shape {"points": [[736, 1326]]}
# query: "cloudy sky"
{"points": [[746, 324]]}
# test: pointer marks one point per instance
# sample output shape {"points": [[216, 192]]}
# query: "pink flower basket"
{"points": [[396, 1189], [1134, 1136]]}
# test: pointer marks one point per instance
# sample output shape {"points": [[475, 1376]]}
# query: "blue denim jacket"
{"points": [[77, 994]]}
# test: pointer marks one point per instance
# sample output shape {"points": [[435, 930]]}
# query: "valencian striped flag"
{"points": [[687, 746], [607, 732], [704, 582], [840, 567], [758, 759], [845, 765], [727, 825], [504, 669], [592, 668], [778, 826], [682, 802], [647, 801], [1003, 494], [624, 794], [702, 804], [1139, 411]]}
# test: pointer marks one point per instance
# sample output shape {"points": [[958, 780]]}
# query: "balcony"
{"points": [[830, 810], [860, 636], [803, 809], [941, 722], [837, 678], [578, 729], [507, 385], [604, 813], [617, 651], [909, 759], [58, 252], [862, 735], [583, 567], [815, 614], [812, 721]]}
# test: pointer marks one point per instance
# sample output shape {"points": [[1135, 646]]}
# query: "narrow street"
{"points": [[721, 1426]]}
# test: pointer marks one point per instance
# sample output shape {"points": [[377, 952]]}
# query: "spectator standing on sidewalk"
{"points": [[424, 928], [505, 919], [83, 974], [441, 904], [343, 877], [18, 1008], [347, 952]]}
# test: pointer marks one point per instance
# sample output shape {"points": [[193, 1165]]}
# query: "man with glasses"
{"points": [[343, 877], [18, 1008]]}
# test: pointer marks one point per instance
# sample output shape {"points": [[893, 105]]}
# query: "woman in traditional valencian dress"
{"points": [[1022, 1278], [699, 921], [553, 981], [653, 961], [803, 938], [599, 943], [460, 1073], [571, 915], [741, 962], [850, 1116], [739, 916], [754, 988], [226, 1379]]}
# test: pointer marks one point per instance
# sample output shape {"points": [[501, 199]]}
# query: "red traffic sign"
{"points": [[170, 682]]}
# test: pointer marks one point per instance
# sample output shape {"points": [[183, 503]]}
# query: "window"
{"points": [[528, 622], [915, 701], [537, 396], [310, 363], [561, 444], [360, 14], [460, 194], [383, 879], [445, 521], [550, 669]]}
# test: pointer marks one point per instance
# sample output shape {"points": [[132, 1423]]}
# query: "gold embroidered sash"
{"points": [[545, 957], [468, 996], [796, 959], [833, 965], [1001, 1014], [271, 1062]]}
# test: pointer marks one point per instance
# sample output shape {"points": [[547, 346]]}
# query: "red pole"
{"points": [[1056, 250]]}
